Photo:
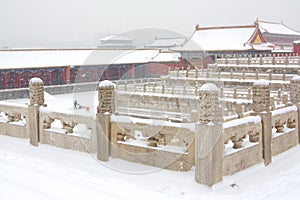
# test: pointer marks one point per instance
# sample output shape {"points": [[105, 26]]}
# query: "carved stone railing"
{"points": [[238, 130], [261, 60], [242, 141], [284, 129], [68, 130], [156, 105], [152, 142], [13, 120]]}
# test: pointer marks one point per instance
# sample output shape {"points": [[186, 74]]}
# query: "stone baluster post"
{"points": [[256, 74], [226, 60], [249, 94], [260, 59], [244, 74], [284, 75], [237, 60], [209, 145], [221, 91], [154, 88], [184, 89], [173, 89], [261, 106], [279, 97], [249, 60], [270, 75], [187, 73], [295, 97], [36, 95], [273, 60], [163, 89], [196, 90], [106, 98], [125, 85], [207, 73], [286, 60], [234, 93]]}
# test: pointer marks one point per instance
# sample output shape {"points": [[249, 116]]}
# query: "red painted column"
{"points": [[67, 74], [4, 81], [119, 72], [50, 78], [19, 81], [180, 63], [132, 71], [106, 74]]}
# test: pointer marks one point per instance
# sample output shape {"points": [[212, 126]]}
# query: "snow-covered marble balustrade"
{"points": [[36, 121], [174, 126], [13, 119], [67, 130]]}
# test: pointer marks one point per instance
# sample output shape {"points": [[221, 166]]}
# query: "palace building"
{"points": [[64, 66], [278, 34], [247, 40]]}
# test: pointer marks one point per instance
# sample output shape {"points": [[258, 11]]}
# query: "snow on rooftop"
{"points": [[261, 82], [166, 42], [222, 38], [118, 37], [58, 58], [276, 28], [42, 58], [145, 56], [297, 42]]}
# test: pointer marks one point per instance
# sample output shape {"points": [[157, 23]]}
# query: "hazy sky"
{"points": [[87, 20]]}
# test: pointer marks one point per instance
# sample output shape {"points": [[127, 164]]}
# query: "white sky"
{"points": [[87, 20]]}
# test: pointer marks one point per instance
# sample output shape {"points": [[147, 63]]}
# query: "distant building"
{"points": [[64, 66], [116, 42], [166, 43], [260, 37], [207, 43], [278, 34]]}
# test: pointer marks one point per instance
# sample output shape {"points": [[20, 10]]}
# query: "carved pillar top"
{"points": [[295, 89], [106, 97], [209, 104], [36, 91], [261, 96]]}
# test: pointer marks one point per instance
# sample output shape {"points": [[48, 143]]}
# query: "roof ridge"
{"points": [[279, 23], [177, 37], [224, 27], [269, 22]]}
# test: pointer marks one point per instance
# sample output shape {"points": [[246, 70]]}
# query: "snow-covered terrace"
{"points": [[15, 59]]}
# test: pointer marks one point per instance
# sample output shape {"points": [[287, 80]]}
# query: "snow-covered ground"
{"points": [[48, 172]]}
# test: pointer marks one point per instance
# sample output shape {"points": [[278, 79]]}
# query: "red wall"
{"points": [[297, 48]]}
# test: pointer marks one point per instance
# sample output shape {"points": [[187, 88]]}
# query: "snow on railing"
{"points": [[261, 60], [13, 112], [284, 118], [238, 131], [68, 130]]}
